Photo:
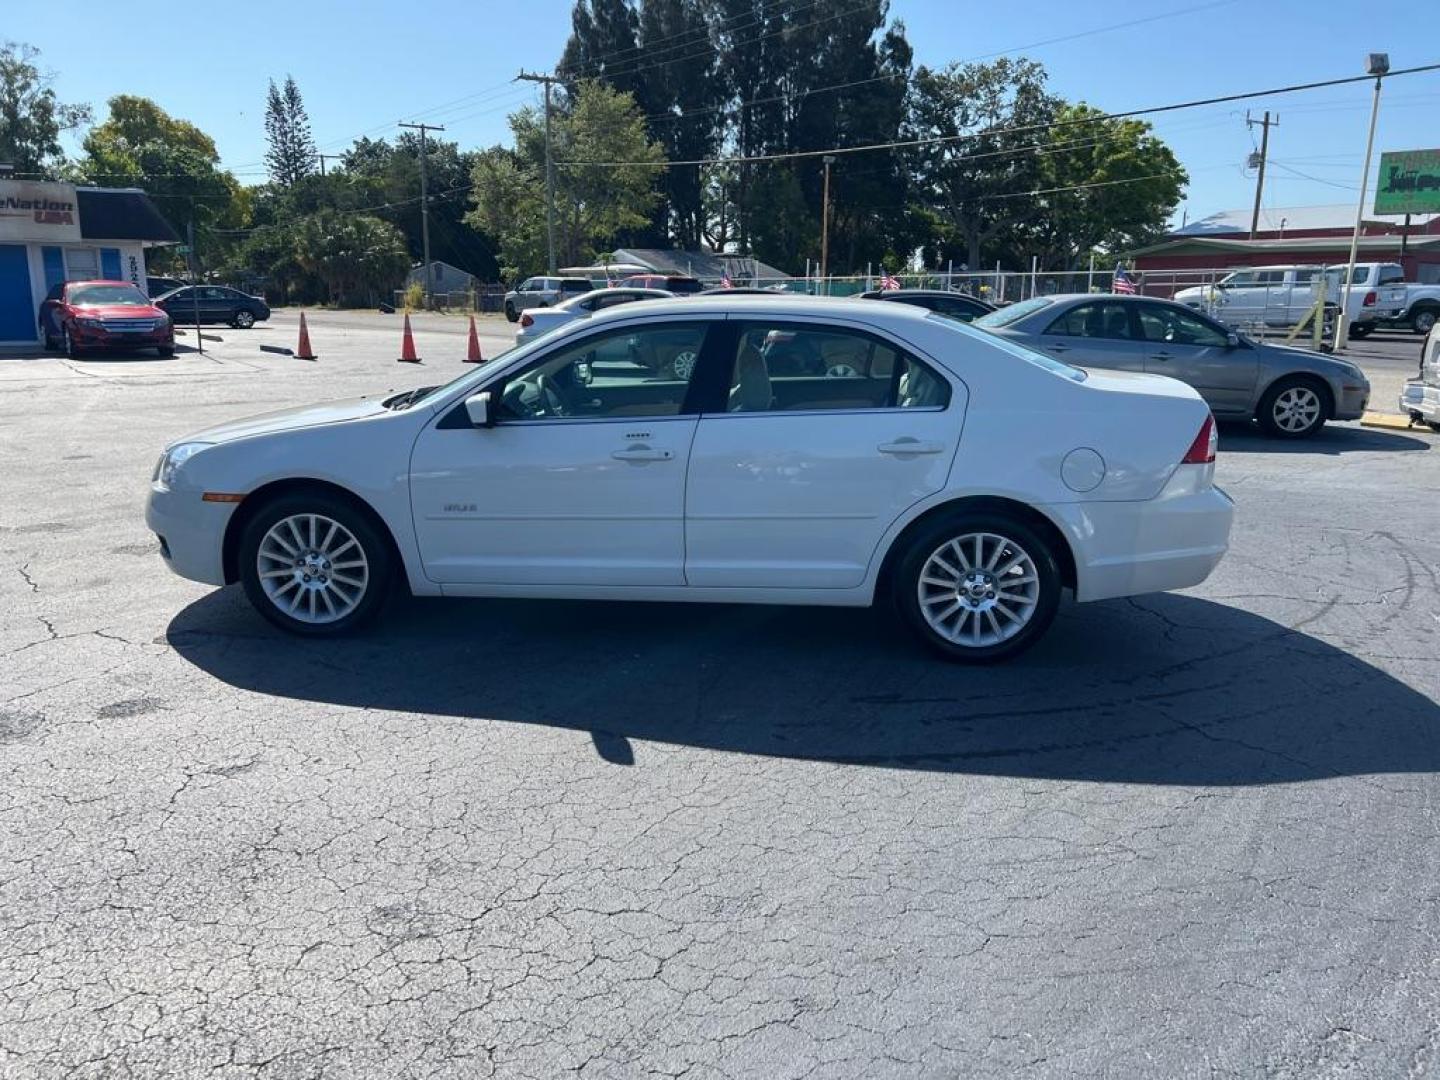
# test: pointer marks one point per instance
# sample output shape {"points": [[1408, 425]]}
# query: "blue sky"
{"points": [[362, 66]]}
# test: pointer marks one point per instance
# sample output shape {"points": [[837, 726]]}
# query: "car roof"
{"points": [[769, 306], [100, 281]]}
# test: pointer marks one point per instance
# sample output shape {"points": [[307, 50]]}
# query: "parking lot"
{"points": [[1189, 834]]}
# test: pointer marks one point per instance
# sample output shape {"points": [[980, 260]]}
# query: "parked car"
{"points": [[678, 284], [214, 304], [1420, 399], [746, 290], [1421, 309], [538, 321], [945, 301], [1291, 392], [960, 475], [79, 315], [543, 292], [1277, 296], [159, 286]]}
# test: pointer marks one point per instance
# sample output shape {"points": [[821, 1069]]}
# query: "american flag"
{"points": [[1122, 283], [726, 283], [889, 282]]}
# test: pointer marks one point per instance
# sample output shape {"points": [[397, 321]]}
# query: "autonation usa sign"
{"points": [[39, 212]]}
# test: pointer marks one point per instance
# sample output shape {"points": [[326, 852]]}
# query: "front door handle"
{"points": [[906, 447], [642, 453], [1161, 356], [1058, 348]]}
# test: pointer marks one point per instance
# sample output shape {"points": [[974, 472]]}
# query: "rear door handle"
{"points": [[642, 453], [906, 447], [1162, 356], [1058, 348]]}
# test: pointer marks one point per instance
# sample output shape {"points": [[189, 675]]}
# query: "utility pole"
{"points": [[1265, 126], [323, 157], [425, 202], [193, 265], [829, 160], [548, 81], [1377, 64]]}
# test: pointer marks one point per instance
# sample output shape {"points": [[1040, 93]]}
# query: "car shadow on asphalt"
{"points": [[1166, 689], [1331, 439]]}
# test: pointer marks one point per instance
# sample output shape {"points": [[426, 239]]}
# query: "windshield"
{"points": [[109, 294], [1015, 349], [1014, 313]]}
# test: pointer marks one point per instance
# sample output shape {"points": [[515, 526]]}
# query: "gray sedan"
{"points": [[1291, 392]]}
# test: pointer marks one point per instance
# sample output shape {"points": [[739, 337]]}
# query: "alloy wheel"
{"points": [[312, 568], [979, 589], [1296, 409], [244, 320], [683, 365]]}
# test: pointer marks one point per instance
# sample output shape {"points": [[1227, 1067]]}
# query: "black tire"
{"points": [[379, 563], [1006, 533], [510, 313], [67, 344], [243, 320], [1423, 320], [1272, 410], [165, 350], [1361, 330], [1433, 425]]}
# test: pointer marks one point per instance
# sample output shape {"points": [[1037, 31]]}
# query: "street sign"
{"points": [[183, 249], [1409, 183]]}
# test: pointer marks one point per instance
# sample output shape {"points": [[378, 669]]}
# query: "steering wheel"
{"points": [[551, 401]]}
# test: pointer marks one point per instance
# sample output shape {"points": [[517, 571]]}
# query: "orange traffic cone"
{"points": [[303, 350], [472, 355], [407, 345]]}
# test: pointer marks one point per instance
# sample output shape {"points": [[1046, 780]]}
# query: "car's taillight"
{"points": [[1370, 298], [526, 320], [1202, 450]]}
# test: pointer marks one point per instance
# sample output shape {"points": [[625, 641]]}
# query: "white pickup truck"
{"points": [[1421, 310], [1376, 294]]}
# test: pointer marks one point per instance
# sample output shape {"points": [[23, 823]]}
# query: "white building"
{"points": [[51, 233]]}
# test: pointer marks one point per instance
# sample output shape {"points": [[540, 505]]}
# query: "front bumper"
{"points": [[1422, 401], [100, 338], [1172, 541], [1351, 402], [191, 532]]}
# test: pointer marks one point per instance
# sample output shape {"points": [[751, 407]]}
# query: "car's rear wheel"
{"points": [[165, 350], [314, 565], [1361, 330], [511, 313], [977, 588], [1423, 321], [1293, 408], [243, 320]]}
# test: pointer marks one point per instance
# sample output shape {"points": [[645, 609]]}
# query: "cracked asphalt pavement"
{"points": [[1187, 835]]}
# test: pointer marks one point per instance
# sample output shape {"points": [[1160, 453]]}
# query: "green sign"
{"points": [[1409, 183]]}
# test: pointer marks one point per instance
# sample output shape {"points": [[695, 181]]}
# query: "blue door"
{"points": [[17, 305]]}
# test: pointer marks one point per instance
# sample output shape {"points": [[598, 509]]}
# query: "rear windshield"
{"points": [[681, 285], [108, 294], [1014, 348], [1014, 313], [575, 286]]}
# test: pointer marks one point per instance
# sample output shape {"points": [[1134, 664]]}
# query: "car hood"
{"points": [[1291, 357], [116, 311], [333, 412]]}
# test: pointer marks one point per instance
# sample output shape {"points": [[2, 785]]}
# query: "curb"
{"points": [[1389, 421]]}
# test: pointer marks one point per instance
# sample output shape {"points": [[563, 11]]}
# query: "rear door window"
{"points": [[1104, 319]]}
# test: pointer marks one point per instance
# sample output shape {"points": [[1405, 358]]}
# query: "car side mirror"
{"points": [[1232, 340], [477, 407]]}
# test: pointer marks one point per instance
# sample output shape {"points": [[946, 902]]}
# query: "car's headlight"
{"points": [[89, 324], [172, 460]]}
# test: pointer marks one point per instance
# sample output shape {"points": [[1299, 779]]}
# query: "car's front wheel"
{"points": [[243, 320], [67, 344], [313, 564], [510, 312], [1293, 408], [978, 588]]}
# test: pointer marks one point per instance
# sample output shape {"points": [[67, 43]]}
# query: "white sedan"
{"points": [[536, 322], [818, 452]]}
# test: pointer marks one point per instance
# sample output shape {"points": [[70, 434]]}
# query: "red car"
{"points": [[80, 315]]}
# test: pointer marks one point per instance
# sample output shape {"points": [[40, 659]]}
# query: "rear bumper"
{"points": [[1172, 541]]}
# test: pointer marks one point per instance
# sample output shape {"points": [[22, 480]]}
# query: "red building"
{"points": [[1204, 249]]}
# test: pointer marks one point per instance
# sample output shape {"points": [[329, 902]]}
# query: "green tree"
{"points": [[32, 118], [358, 257], [141, 144], [987, 119], [1124, 184], [291, 153], [593, 202]]}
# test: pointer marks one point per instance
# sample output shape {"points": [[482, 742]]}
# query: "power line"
{"points": [[900, 144]]}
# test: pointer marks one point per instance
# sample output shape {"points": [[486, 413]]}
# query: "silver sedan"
{"points": [[1291, 392]]}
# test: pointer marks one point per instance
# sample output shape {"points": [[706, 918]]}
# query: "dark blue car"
{"points": [[213, 304]]}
